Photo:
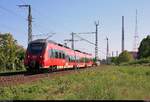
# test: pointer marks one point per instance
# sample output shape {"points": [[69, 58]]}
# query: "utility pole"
{"points": [[96, 40], [29, 22], [71, 40], [107, 52], [72, 46], [112, 54], [77, 35], [136, 37], [122, 34]]}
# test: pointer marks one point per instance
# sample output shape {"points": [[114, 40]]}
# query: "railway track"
{"points": [[11, 79]]}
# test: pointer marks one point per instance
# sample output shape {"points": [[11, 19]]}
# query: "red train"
{"points": [[44, 54]]}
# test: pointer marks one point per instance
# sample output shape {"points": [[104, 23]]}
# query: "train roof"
{"points": [[50, 41]]}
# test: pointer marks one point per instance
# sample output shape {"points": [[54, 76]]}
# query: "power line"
{"points": [[32, 7], [23, 2], [7, 10], [34, 24], [43, 34], [48, 35], [15, 14], [37, 28], [85, 39], [81, 39], [11, 12], [102, 52], [86, 33]]}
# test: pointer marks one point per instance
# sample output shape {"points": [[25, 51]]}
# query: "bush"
{"points": [[124, 57], [140, 61], [114, 60]]}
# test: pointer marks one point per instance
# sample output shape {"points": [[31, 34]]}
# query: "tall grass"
{"points": [[110, 82]]}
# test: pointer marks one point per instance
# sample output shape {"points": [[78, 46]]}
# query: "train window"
{"points": [[77, 59], [72, 59], [67, 57], [63, 56], [60, 55], [49, 53], [52, 54], [56, 55]]}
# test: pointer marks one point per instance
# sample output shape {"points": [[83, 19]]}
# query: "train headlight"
{"points": [[28, 56]]}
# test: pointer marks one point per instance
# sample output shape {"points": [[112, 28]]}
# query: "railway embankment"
{"points": [[104, 82]]}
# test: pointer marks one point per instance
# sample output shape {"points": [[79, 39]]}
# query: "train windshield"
{"points": [[36, 48]]}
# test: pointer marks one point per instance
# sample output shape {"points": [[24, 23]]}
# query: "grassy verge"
{"points": [[12, 71], [109, 82]]}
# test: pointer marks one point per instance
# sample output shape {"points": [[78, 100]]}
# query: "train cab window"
{"points": [[36, 48]]}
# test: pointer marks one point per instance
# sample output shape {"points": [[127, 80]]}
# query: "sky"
{"points": [[65, 16]]}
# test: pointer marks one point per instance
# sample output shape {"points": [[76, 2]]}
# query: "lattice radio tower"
{"points": [[136, 37]]}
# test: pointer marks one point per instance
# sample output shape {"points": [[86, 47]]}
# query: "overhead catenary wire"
{"points": [[36, 26], [84, 39], [15, 14], [81, 38], [11, 12], [23, 1], [90, 43]]}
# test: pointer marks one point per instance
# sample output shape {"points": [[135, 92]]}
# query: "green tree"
{"points": [[10, 52], [144, 48], [125, 56], [20, 57]]}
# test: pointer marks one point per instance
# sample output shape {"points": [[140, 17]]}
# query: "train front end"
{"points": [[34, 59]]}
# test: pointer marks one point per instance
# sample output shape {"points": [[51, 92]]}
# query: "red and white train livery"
{"points": [[42, 54]]}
